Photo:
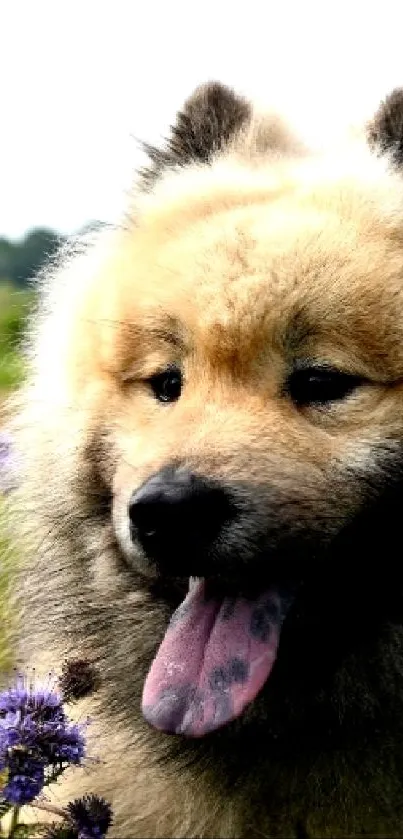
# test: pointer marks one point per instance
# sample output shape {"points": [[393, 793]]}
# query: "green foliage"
{"points": [[14, 308], [20, 261]]}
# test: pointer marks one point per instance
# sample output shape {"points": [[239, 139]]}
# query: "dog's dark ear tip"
{"points": [[216, 98], [210, 117], [385, 130]]}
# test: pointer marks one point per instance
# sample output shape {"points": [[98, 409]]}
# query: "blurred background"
{"points": [[83, 81]]}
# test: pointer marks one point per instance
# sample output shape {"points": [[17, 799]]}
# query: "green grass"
{"points": [[14, 308]]}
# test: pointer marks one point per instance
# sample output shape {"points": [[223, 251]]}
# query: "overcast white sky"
{"points": [[79, 79]]}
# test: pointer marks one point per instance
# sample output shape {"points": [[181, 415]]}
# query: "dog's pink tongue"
{"points": [[214, 659]]}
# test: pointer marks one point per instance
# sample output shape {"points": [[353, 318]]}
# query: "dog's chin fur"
{"points": [[320, 751]]}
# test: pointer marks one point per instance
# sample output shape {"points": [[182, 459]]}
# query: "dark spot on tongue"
{"points": [[235, 671], [216, 656], [220, 679], [260, 624], [239, 670], [173, 705]]}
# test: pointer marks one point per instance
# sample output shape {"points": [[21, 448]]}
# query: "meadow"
{"points": [[14, 307]]}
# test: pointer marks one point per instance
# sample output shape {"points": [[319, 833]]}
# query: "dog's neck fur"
{"points": [[331, 692]]}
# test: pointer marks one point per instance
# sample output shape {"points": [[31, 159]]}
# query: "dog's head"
{"points": [[236, 354]]}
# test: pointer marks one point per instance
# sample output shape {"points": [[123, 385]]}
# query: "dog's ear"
{"points": [[385, 131], [208, 120]]}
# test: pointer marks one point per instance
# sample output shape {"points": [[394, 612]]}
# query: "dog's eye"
{"points": [[318, 386], [167, 386]]}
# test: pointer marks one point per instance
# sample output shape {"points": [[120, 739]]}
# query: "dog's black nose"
{"points": [[176, 515]]}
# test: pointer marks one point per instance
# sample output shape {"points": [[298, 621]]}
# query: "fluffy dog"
{"points": [[211, 443]]}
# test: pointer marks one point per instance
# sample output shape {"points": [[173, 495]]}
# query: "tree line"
{"points": [[20, 260]]}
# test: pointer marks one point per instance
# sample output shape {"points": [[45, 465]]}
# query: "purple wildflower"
{"points": [[8, 464], [34, 728], [66, 744], [5, 447], [43, 702], [26, 777], [91, 815]]}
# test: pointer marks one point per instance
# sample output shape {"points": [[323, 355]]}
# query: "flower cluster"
{"points": [[35, 737], [89, 817], [38, 741]]}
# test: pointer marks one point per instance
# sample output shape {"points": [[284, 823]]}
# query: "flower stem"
{"points": [[14, 821], [50, 808]]}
